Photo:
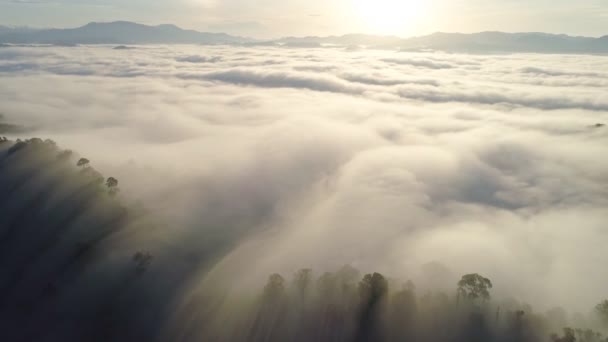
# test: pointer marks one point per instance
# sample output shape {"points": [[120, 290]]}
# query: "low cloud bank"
{"points": [[320, 158]]}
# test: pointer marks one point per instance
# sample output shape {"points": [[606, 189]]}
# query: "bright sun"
{"points": [[390, 16]]}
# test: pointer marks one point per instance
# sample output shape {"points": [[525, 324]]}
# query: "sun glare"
{"points": [[390, 16]]}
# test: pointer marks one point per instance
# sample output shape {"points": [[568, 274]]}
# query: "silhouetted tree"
{"points": [[602, 310], [474, 286], [50, 143], [112, 184], [303, 280], [35, 141], [373, 290], [275, 288], [373, 286], [271, 314], [83, 162]]}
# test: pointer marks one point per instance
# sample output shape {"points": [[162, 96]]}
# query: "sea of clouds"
{"points": [[417, 165]]}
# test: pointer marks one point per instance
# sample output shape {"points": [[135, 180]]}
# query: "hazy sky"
{"points": [[271, 18]]}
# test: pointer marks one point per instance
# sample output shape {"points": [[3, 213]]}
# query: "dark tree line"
{"points": [[349, 306], [345, 306]]}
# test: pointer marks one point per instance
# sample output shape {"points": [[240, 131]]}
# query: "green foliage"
{"points": [[474, 286]]}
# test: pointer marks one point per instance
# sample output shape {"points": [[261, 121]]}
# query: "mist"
{"points": [[243, 162]]}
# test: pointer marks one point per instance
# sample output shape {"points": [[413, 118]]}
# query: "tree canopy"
{"points": [[474, 286], [83, 162], [602, 310]]}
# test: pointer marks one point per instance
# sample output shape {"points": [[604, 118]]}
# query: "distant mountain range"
{"points": [[510, 42], [119, 32], [123, 32], [459, 42]]}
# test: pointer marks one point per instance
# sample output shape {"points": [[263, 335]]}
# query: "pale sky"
{"points": [[277, 18]]}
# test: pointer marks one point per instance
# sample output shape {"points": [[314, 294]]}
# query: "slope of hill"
{"points": [[66, 268], [76, 262]]}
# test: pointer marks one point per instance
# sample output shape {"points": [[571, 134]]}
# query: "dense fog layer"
{"points": [[421, 166]]}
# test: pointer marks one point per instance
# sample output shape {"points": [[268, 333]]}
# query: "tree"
{"points": [[35, 142], [303, 280], [50, 143], [371, 321], [83, 163], [373, 287], [275, 288], [602, 310], [474, 286], [112, 184]]}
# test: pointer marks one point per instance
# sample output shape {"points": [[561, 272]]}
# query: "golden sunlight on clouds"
{"points": [[391, 16]]}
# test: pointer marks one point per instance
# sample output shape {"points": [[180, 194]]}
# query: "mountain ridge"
{"points": [[119, 32], [126, 32]]}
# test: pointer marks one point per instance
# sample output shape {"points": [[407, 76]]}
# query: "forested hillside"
{"points": [[77, 264], [66, 271]]}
